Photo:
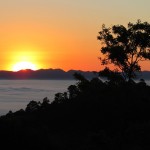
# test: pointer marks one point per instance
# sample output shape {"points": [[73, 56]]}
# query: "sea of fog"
{"points": [[16, 94]]}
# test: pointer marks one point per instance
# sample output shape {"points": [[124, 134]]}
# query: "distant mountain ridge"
{"points": [[44, 74], [145, 75], [55, 74]]}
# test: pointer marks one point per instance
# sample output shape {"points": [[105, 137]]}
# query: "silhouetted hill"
{"points": [[91, 115], [145, 75], [44, 74], [55, 74]]}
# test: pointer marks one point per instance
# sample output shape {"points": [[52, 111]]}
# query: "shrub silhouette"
{"points": [[32, 106]]}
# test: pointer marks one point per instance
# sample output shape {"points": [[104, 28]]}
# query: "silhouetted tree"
{"points": [[142, 83], [125, 47], [113, 76], [73, 91], [45, 102], [10, 113], [82, 83], [32, 106], [60, 98]]}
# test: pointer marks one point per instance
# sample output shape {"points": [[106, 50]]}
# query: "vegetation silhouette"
{"points": [[125, 47], [91, 115]]}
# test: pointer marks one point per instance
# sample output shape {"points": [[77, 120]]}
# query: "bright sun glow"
{"points": [[24, 66]]}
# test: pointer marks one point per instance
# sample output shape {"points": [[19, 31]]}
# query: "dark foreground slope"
{"points": [[92, 116]]}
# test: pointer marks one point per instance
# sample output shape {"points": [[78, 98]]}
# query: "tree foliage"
{"points": [[125, 47]]}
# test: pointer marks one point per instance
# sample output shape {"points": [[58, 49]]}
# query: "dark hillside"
{"points": [[55, 74], [92, 115]]}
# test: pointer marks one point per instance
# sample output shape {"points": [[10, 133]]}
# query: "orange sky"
{"points": [[61, 33]]}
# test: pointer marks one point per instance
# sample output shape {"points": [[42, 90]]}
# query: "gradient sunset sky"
{"points": [[61, 33]]}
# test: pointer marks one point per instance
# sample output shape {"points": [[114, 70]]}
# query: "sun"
{"points": [[24, 66]]}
